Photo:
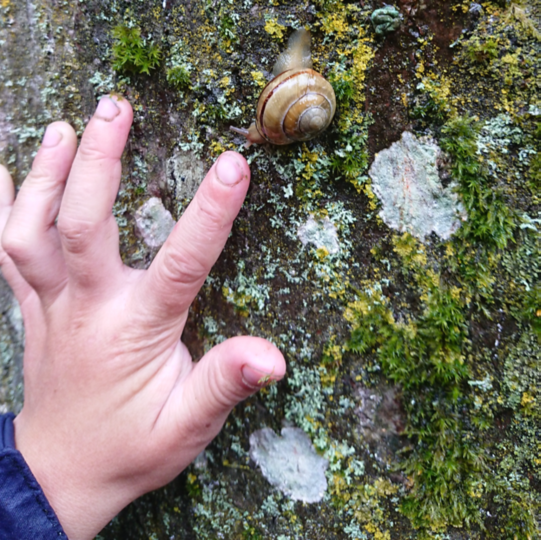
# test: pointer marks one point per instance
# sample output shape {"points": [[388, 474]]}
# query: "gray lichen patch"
{"points": [[154, 223], [321, 233], [290, 463], [405, 178], [185, 172]]}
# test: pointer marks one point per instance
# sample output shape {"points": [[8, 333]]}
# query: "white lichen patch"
{"points": [[154, 222], [405, 178], [321, 233], [290, 463]]}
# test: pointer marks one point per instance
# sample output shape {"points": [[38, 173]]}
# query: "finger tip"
{"points": [[122, 103], [232, 168], [264, 363], [59, 134], [112, 107], [65, 128]]}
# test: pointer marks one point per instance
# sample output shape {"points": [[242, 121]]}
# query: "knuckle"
{"points": [[182, 267], [211, 213], [224, 392], [44, 172], [75, 235], [227, 390], [91, 150], [16, 246]]}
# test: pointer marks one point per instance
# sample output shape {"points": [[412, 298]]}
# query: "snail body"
{"points": [[298, 104]]}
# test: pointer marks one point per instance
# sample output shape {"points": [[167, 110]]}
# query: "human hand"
{"points": [[114, 406]]}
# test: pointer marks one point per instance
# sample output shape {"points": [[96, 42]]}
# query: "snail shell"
{"points": [[298, 104]]}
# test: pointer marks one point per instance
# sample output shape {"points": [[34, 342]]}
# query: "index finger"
{"points": [[184, 261]]}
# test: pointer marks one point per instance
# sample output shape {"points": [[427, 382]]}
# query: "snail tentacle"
{"points": [[297, 54], [252, 134]]}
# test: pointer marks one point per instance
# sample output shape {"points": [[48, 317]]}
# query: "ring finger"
{"points": [[30, 237]]}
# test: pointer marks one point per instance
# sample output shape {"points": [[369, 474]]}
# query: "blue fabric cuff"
{"points": [[7, 433], [25, 513]]}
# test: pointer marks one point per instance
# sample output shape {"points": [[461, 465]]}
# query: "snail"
{"points": [[298, 104]]}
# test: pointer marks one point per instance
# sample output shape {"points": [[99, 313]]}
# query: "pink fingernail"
{"points": [[107, 109], [255, 377], [228, 170], [51, 138]]}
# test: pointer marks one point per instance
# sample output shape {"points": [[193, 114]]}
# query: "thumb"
{"points": [[229, 373]]}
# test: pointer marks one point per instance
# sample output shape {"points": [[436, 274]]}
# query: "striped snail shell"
{"points": [[298, 104]]}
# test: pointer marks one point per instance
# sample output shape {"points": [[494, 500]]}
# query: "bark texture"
{"points": [[413, 361]]}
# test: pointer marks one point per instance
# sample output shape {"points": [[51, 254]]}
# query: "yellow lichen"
{"points": [[275, 29], [335, 23], [259, 78]]}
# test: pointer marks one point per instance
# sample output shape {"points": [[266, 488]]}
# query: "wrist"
{"points": [[82, 508]]}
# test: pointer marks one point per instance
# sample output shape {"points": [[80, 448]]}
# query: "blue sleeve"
{"points": [[25, 513]]}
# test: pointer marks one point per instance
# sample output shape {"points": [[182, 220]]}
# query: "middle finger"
{"points": [[87, 227]]}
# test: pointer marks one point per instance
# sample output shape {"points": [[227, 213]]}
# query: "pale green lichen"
{"points": [[386, 20], [406, 179]]}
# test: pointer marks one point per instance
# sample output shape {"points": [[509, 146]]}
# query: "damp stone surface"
{"points": [[290, 463], [406, 180]]}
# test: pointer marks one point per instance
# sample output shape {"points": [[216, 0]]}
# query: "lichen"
{"points": [[460, 314], [290, 463], [405, 177], [386, 20]]}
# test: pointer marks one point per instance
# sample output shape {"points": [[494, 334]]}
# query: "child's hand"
{"points": [[114, 406]]}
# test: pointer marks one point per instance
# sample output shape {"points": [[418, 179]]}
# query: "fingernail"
{"points": [[51, 138], [228, 170], [255, 377], [107, 109]]}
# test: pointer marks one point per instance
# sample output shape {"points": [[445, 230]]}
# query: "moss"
{"points": [[343, 87], [179, 67], [426, 357], [227, 27], [534, 174], [350, 157], [133, 54], [490, 220], [482, 52], [432, 103]]}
